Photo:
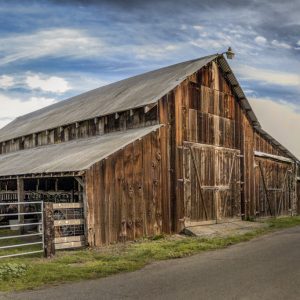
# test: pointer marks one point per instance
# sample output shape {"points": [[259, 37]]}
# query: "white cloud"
{"points": [[281, 120], [282, 45], [56, 43], [298, 43], [213, 41], [52, 84], [6, 81], [269, 76], [12, 108], [198, 27], [260, 40], [148, 51]]}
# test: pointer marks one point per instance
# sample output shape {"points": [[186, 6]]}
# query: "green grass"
{"points": [[32, 272]]}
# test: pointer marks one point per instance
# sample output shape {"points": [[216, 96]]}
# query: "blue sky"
{"points": [[51, 50]]}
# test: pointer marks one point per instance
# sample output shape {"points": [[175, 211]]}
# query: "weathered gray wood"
{"points": [[67, 205], [20, 190], [49, 230]]}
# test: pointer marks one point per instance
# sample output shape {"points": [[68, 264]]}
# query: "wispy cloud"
{"points": [[52, 84], [267, 76], [61, 42], [6, 81], [282, 45]]}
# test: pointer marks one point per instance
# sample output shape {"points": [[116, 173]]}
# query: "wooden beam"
{"points": [[80, 181], [69, 222], [199, 182], [198, 145], [69, 239], [147, 108], [44, 175], [273, 157], [70, 245], [20, 191], [49, 231], [67, 205]]}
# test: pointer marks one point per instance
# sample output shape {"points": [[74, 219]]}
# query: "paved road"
{"points": [[265, 268]]}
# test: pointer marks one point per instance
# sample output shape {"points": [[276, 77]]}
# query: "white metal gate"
{"points": [[21, 228]]}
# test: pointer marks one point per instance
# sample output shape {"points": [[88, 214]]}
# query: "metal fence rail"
{"points": [[21, 242]]}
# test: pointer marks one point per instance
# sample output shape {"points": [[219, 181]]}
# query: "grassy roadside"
{"points": [[32, 272]]}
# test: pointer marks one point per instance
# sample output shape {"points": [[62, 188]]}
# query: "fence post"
{"points": [[49, 230]]}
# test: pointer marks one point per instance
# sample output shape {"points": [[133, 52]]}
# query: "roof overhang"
{"points": [[68, 158]]}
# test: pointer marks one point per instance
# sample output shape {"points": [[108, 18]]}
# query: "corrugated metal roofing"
{"points": [[69, 156], [127, 94]]}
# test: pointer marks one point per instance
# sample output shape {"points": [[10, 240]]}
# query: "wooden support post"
{"points": [[85, 210], [49, 230], [56, 184], [20, 190], [37, 185], [80, 181], [83, 198]]}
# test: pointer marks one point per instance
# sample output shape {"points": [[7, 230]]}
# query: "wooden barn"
{"points": [[298, 189], [150, 154]]}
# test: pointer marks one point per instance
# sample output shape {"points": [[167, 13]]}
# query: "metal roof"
{"points": [[71, 156], [123, 95], [126, 94]]}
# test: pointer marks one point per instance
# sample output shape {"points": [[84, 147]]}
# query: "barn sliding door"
{"points": [[211, 183], [274, 187]]}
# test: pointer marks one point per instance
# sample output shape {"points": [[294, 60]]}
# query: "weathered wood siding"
{"points": [[126, 193], [247, 169], [274, 188], [275, 184], [211, 182], [263, 145], [298, 196], [204, 111], [201, 110]]}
